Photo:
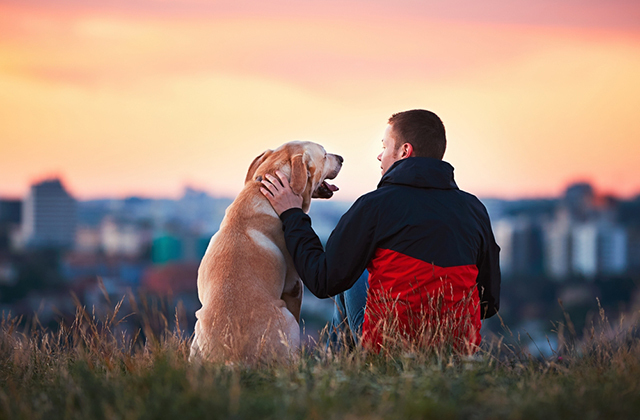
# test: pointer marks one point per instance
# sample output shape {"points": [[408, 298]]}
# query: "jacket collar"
{"points": [[420, 172]]}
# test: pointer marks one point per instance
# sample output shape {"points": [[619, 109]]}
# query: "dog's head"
{"points": [[307, 165]]}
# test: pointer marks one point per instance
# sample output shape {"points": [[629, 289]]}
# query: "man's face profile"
{"points": [[390, 154]]}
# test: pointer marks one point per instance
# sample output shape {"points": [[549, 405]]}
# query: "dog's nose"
{"points": [[340, 159]]}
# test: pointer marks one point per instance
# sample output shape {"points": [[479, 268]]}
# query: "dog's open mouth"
{"points": [[324, 190]]}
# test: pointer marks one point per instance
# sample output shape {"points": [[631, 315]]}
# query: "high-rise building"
{"points": [[49, 216], [585, 249], [520, 240], [558, 246], [614, 247], [599, 248]]}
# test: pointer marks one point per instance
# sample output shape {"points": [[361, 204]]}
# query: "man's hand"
{"points": [[279, 193]]}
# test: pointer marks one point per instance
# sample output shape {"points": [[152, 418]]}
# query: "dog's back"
{"points": [[240, 283], [248, 286]]}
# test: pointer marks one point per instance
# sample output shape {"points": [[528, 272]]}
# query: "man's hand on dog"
{"points": [[279, 193]]}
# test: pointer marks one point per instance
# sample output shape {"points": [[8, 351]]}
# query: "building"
{"points": [[558, 244], [599, 248], [612, 249], [49, 215], [119, 271], [579, 200], [633, 249], [584, 258], [10, 213], [124, 238], [88, 240], [182, 246], [521, 246]]}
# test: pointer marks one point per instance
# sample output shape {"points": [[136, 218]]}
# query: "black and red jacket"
{"points": [[428, 246]]}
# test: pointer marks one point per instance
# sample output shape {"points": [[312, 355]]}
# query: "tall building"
{"points": [[614, 248], [49, 216], [585, 249], [520, 240], [558, 246], [599, 248]]}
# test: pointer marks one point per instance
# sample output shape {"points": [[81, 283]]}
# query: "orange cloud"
{"points": [[129, 103]]}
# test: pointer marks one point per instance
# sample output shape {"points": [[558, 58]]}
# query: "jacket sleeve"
{"points": [[348, 250], [489, 277]]}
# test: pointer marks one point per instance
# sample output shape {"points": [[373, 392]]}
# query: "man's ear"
{"points": [[255, 164], [299, 174], [406, 150]]}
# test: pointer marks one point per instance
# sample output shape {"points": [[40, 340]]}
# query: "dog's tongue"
{"points": [[330, 186]]}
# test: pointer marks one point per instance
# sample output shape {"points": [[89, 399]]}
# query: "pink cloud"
{"points": [[613, 14]]}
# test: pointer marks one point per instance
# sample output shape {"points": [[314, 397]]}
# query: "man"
{"points": [[428, 246]]}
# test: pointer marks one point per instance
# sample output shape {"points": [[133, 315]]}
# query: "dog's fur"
{"points": [[248, 286]]}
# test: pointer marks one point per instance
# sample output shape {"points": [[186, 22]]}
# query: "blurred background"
{"points": [[127, 127]]}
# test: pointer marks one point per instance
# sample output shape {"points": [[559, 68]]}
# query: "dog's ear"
{"points": [[255, 164], [299, 174]]}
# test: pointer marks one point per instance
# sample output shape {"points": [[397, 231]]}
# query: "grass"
{"points": [[95, 368]]}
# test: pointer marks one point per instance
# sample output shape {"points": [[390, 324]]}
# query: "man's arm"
{"points": [[349, 248], [348, 251], [489, 277]]}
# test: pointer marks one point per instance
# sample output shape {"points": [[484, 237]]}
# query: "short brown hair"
{"points": [[422, 129]]}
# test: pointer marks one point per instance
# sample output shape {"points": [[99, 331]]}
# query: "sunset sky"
{"points": [[143, 97]]}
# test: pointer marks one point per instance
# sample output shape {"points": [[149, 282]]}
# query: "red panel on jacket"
{"points": [[426, 305]]}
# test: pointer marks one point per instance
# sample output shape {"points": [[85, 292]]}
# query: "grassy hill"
{"points": [[92, 369]]}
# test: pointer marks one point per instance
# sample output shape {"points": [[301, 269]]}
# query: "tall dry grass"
{"points": [[96, 366]]}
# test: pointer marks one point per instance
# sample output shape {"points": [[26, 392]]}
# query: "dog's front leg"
{"points": [[292, 296]]}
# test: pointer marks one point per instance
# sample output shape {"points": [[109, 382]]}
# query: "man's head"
{"points": [[415, 133]]}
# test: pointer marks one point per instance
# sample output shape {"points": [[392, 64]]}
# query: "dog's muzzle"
{"points": [[326, 190]]}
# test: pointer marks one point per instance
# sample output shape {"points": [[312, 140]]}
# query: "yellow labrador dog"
{"points": [[248, 286]]}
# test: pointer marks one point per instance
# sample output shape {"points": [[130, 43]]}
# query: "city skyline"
{"points": [[185, 188], [580, 234], [145, 97]]}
